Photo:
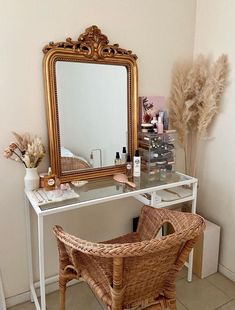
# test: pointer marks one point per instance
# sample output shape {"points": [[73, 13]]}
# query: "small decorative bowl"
{"points": [[79, 183]]}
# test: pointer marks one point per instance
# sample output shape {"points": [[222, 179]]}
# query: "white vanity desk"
{"points": [[94, 192]]}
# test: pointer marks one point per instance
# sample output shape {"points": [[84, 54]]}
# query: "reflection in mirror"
{"points": [[92, 109]]}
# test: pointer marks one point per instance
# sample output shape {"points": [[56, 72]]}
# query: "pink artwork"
{"points": [[150, 106]]}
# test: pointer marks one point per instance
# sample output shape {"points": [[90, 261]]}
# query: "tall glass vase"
{"points": [[31, 179]]}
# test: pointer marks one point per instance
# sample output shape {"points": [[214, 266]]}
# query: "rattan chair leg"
{"points": [[117, 291], [62, 285], [172, 305], [117, 298]]}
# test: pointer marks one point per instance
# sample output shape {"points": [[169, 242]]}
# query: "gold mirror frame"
{"points": [[91, 47]]}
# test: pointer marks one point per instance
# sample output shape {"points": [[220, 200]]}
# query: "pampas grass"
{"points": [[195, 97], [177, 99]]}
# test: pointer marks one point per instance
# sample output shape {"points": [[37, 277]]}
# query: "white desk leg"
{"points": [[41, 262], [190, 261], [194, 202], [29, 246], [153, 199]]}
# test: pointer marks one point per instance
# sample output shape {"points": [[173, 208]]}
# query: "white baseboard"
{"points": [[24, 297], [2, 297], [17, 299], [227, 273]]}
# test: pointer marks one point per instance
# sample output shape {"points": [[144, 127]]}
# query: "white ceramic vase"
{"points": [[31, 179]]}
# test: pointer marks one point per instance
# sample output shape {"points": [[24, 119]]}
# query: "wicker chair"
{"points": [[136, 270]]}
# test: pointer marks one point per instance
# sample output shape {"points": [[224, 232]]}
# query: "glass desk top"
{"points": [[107, 189]]}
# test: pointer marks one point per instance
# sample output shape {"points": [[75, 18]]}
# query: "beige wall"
{"points": [[158, 31], [215, 30]]}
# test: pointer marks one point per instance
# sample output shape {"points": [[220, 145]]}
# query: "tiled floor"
{"points": [[213, 293]]}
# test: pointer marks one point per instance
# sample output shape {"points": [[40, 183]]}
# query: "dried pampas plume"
{"points": [[178, 97], [213, 90], [195, 97]]}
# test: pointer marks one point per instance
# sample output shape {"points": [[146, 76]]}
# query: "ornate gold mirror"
{"points": [[91, 99]]}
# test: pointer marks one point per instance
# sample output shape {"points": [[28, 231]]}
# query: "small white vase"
{"points": [[31, 179]]}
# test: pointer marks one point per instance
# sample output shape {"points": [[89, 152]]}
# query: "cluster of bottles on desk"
{"points": [[131, 169]]}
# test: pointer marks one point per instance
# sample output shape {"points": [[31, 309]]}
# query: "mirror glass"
{"points": [[92, 109], [91, 105]]}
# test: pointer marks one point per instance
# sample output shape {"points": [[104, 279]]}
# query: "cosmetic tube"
{"points": [[159, 125]]}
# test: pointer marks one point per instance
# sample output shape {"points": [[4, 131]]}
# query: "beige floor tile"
{"points": [[229, 306], [78, 296], [180, 306], [182, 274], [24, 306], [223, 283], [200, 295]]}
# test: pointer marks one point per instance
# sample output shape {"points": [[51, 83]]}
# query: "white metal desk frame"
{"points": [[40, 216]]}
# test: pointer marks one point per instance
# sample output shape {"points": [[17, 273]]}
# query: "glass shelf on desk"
{"points": [[107, 189]]}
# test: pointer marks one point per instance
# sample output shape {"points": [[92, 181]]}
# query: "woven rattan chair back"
{"points": [[134, 270], [73, 164]]}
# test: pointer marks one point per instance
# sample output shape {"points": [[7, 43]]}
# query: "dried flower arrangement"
{"points": [[27, 150], [195, 97]]}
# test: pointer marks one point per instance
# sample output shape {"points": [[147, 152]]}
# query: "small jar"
{"points": [[41, 181], [146, 127]]}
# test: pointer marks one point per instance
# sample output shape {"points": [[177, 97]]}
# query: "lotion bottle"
{"points": [[136, 164], [159, 125]]}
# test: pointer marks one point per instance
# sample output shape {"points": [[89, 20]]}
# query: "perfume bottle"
{"points": [[154, 122], [117, 160], [128, 166], [49, 180], [123, 155]]}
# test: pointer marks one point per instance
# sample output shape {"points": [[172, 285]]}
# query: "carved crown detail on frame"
{"points": [[92, 44]]}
